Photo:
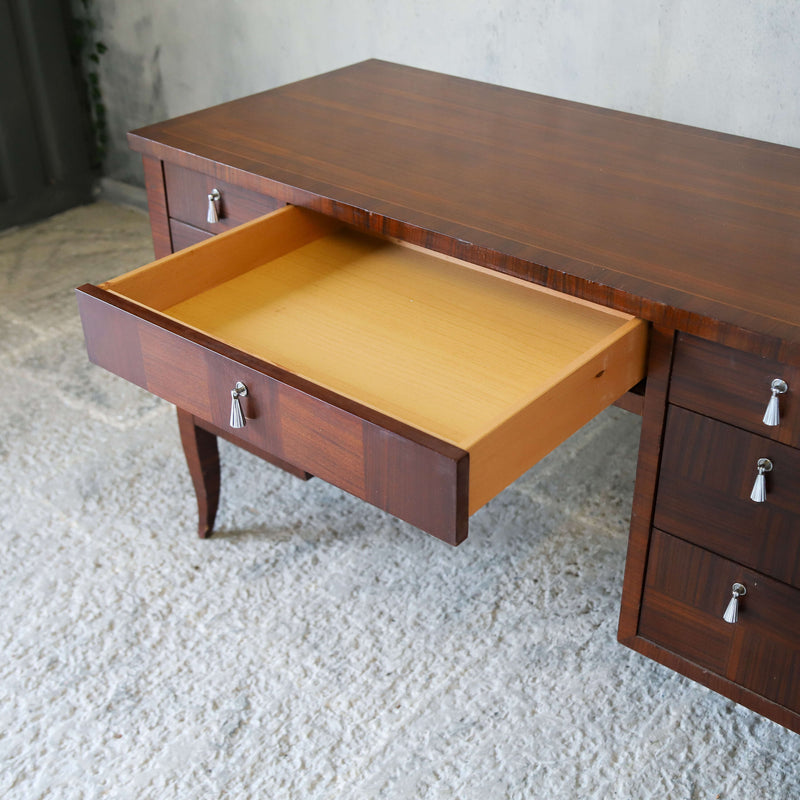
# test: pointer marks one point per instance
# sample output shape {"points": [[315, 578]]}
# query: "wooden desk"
{"points": [[694, 232]]}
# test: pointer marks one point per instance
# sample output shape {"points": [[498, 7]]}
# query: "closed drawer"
{"points": [[183, 235], [686, 593], [187, 200], [708, 471], [735, 387], [418, 383]]}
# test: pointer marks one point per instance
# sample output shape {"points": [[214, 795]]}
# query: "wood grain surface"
{"points": [[157, 206], [735, 387], [188, 200], [202, 458], [494, 365], [659, 365], [707, 473], [691, 229], [686, 592], [407, 472]]}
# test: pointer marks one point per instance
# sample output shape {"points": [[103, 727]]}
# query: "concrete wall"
{"points": [[730, 65]]}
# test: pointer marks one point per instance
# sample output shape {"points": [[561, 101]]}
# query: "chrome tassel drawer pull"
{"points": [[237, 417], [732, 611], [759, 493], [213, 206], [772, 416]]}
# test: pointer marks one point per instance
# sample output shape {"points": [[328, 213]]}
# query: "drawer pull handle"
{"points": [[772, 416], [759, 493], [213, 206], [732, 611], [237, 418]]}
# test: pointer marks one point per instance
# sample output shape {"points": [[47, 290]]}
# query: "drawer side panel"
{"points": [[515, 445]]}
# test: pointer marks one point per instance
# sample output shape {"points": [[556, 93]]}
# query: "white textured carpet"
{"points": [[315, 647]]}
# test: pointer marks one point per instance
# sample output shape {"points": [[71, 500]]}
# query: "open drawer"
{"points": [[419, 383]]}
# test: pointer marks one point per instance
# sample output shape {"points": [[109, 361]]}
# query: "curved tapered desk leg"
{"points": [[202, 457]]}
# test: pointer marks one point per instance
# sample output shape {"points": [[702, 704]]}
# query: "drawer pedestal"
{"points": [[708, 534]]}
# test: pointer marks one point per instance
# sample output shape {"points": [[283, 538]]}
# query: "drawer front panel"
{"points": [[187, 200], [708, 470], [409, 474], [734, 386], [686, 592], [183, 235]]}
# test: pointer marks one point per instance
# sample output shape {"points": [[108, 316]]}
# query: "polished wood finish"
{"points": [[707, 473], [696, 232], [157, 205], [694, 482], [188, 193], [184, 235], [494, 366], [659, 365], [687, 228], [728, 384], [407, 472], [202, 458], [686, 592]]}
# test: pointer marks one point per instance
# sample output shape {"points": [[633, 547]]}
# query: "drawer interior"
{"points": [[496, 366]]}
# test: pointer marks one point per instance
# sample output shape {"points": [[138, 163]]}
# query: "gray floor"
{"points": [[315, 647]]}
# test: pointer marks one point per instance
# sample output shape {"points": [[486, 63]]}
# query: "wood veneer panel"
{"points": [[184, 235], [664, 221], [157, 205], [707, 473], [687, 645], [659, 366], [188, 200], [342, 442], [735, 387], [490, 363], [686, 592]]}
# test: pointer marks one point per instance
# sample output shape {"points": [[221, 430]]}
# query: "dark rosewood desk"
{"points": [[688, 240]]}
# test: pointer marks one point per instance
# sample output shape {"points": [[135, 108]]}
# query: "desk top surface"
{"points": [[688, 228]]}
